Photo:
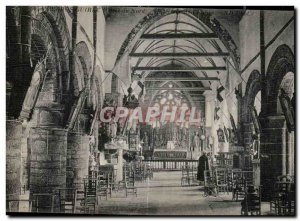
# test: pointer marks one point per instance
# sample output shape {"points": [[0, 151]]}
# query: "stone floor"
{"points": [[163, 195]]}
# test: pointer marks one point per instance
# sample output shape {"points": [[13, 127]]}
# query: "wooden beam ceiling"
{"points": [[178, 36], [182, 79], [179, 88], [174, 69], [179, 55]]}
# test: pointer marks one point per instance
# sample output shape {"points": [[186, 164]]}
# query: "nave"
{"points": [[150, 110], [164, 195]]}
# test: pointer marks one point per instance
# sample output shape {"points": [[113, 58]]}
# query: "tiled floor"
{"points": [[164, 196]]}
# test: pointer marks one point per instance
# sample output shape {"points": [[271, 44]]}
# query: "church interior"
{"points": [[150, 111]]}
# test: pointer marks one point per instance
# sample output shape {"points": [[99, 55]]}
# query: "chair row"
{"points": [[189, 176], [283, 200]]}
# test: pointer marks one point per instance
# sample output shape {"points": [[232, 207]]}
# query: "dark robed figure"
{"points": [[202, 165]]}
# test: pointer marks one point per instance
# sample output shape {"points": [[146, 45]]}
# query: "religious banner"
{"points": [[234, 129], [221, 137], [226, 134]]}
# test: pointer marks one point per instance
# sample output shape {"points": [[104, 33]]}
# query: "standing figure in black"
{"points": [[202, 165]]}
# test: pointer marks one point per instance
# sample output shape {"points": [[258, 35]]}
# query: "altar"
{"points": [[168, 141], [164, 154], [171, 152]]}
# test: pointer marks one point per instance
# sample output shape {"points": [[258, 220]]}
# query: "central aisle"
{"points": [[164, 196]]}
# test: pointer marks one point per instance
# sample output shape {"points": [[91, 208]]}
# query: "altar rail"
{"points": [[171, 165]]}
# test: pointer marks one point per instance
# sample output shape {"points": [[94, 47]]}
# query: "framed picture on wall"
{"points": [[287, 110]]}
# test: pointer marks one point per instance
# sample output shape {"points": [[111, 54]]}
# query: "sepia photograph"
{"points": [[150, 111]]}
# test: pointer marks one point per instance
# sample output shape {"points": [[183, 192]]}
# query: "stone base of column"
{"points": [[272, 149], [48, 151], [78, 159], [13, 156]]}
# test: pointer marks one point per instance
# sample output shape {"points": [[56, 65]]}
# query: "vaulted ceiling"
{"points": [[188, 48], [181, 49]]}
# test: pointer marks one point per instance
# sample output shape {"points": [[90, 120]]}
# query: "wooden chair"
{"points": [[43, 202], [67, 199], [285, 196], [238, 185], [149, 171], [138, 171], [274, 202], [193, 176], [185, 176], [210, 185], [248, 177], [129, 180], [221, 179], [251, 205], [229, 179], [80, 199], [13, 204], [105, 185], [90, 194]]}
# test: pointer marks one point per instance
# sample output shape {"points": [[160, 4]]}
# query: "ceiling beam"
{"points": [[182, 79], [220, 68], [179, 55], [178, 36], [179, 88]]}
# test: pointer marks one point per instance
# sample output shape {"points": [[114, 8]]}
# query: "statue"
{"points": [[92, 143], [145, 141], [221, 139], [92, 162], [113, 129], [176, 135], [196, 142], [156, 138]]}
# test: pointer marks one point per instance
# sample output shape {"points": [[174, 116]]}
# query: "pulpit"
{"points": [[114, 151]]}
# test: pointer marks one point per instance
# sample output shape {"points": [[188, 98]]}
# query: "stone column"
{"points": [[13, 156], [120, 166], [78, 151], [48, 151], [273, 152], [17, 164], [20, 44], [290, 152], [78, 158]]}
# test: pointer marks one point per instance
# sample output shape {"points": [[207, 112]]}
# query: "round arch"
{"points": [[253, 87], [282, 62], [60, 32], [50, 27], [83, 67]]}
